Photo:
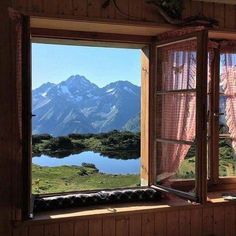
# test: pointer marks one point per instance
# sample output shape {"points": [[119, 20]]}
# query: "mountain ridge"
{"points": [[77, 105]]}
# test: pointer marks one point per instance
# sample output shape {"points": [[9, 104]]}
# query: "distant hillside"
{"points": [[79, 106]]}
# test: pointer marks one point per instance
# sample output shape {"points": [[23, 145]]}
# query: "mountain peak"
{"points": [[79, 82]]}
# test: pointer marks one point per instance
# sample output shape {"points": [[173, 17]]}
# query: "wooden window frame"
{"points": [[109, 39], [201, 120], [148, 176], [216, 183]]}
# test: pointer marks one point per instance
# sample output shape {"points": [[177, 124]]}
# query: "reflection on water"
{"points": [[103, 163]]}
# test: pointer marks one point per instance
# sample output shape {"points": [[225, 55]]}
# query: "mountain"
{"points": [[78, 106], [133, 124]]}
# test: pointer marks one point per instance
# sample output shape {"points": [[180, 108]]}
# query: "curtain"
{"points": [[228, 83], [176, 109]]}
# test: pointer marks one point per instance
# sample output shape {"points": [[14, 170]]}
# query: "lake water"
{"points": [[103, 163]]}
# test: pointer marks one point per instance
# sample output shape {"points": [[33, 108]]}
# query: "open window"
{"points": [[178, 132], [222, 114], [180, 114]]}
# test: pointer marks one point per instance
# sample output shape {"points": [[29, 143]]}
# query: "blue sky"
{"points": [[100, 65]]}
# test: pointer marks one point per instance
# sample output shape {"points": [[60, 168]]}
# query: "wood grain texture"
{"points": [[36, 230], [81, 228], [95, 227], [219, 14], [80, 7], [219, 221], [51, 230], [20, 231], [67, 229], [148, 224], [207, 221], [122, 226], [109, 226], [230, 16], [184, 223], [196, 222], [51, 7], [133, 10], [230, 218], [135, 225], [196, 8], [172, 226], [94, 8], [160, 224]]}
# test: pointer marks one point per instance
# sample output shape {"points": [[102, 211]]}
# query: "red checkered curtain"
{"points": [[228, 83], [177, 109]]}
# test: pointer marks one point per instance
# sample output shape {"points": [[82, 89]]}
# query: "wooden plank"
{"points": [[145, 116], [122, 226], [109, 226], [219, 221], [36, 6], [150, 13], [65, 7], [109, 12], [135, 225], [172, 223], [89, 36], [230, 221], [20, 231], [67, 229], [187, 8], [213, 149], [51, 7], [160, 224], [135, 10], [81, 228], [95, 227], [51, 230], [208, 9], [196, 222], [122, 9], [94, 8], [207, 221], [201, 116], [36, 230], [196, 8], [80, 7], [20, 4], [230, 16], [184, 223], [148, 224], [219, 14]]}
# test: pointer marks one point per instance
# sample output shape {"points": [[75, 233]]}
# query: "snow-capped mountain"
{"points": [[79, 106]]}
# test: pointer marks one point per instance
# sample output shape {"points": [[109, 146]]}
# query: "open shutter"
{"points": [[21, 48], [180, 113]]}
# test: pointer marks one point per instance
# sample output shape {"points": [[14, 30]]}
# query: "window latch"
{"points": [[216, 114], [33, 115]]}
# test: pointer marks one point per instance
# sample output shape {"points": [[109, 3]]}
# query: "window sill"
{"points": [[214, 198], [105, 210]]}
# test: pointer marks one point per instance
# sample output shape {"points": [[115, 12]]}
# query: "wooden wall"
{"points": [[210, 221], [136, 10]]}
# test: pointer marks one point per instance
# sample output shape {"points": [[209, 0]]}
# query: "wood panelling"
{"points": [[51, 230], [129, 10], [195, 221], [66, 229], [199, 220], [81, 228], [95, 227]]}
